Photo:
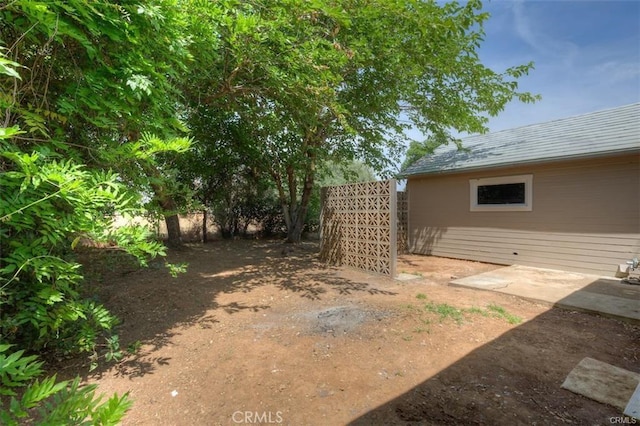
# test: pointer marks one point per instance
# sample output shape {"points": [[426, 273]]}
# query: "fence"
{"points": [[359, 226]]}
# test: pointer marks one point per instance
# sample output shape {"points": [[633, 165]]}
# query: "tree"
{"points": [[78, 89], [319, 81], [222, 180], [418, 149], [97, 76], [48, 205]]}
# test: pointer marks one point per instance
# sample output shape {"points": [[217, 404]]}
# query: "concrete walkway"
{"points": [[607, 296]]}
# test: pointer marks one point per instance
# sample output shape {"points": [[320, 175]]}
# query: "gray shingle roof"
{"points": [[596, 134]]}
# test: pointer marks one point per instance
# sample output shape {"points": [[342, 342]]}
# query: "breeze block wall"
{"points": [[359, 226]]}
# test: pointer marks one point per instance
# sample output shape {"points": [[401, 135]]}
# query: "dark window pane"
{"points": [[508, 193]]}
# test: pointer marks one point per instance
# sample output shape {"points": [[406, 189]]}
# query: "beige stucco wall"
{"points": [[585, 217]]}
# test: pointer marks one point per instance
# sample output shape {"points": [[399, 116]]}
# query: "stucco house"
{"points": [[564, 194]]}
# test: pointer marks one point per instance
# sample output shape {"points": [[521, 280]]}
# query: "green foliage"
{"points": [[102, 64], [80, 83], [418, 149], [244, 207], [445, 311], [8, 67], [311, 82], [220, 173], [82, 87], [16, 370], [93, 78], [176, 269], [49, 206], [333, 173], [48, 402]]}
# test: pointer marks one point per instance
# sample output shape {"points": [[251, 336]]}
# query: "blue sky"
{"points": [[586, 55]]}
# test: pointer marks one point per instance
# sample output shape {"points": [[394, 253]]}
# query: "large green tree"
{"points": [[97, 76], [70, 102], [329, 80], [83, 85], [220, 173]]}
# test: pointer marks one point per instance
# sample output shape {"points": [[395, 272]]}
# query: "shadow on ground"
{"points": [[487, 388], [154, 307], [212, 332]]}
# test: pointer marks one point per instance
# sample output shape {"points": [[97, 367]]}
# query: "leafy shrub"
{"points": [[52, 197], [75, 95], [48, 206], [24, 398], [246, 206]]}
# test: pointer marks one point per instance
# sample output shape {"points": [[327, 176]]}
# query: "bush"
{"points": [[260, 210], [48, 206], [24, 398]]}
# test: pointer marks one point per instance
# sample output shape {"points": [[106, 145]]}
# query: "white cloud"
{"points": [[590, 62], [531, 32]]}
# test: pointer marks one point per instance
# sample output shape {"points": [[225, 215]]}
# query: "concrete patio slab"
{"points": [[607, 296], [633, 406], [603, 382]]}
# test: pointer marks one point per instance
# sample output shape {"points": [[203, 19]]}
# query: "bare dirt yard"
{"points": [[254, 335]]}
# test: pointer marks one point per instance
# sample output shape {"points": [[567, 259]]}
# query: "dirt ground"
{"points": [[252, 334]]}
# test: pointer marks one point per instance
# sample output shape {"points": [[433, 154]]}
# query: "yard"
{"points": [[255, 334]]}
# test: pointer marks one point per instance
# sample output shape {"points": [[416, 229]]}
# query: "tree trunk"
{"points": [[174, 238], [171, 219], [168, 206], [294, 231], [204, 226], [299, 215]]}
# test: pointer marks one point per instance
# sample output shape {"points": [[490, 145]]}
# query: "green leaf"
{"points": [[50, 295], [76, 240], [9, 132], [40, 390], [8, 67]]}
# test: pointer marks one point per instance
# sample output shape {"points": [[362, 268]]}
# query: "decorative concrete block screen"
{"points": [[359, 226]]}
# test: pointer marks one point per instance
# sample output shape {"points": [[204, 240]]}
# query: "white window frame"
{"points": [[527, 206]]}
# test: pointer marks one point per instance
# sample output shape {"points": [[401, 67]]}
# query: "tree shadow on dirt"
{"points": [[134, 367], [517, 377], [323, 283], [154, 308]]}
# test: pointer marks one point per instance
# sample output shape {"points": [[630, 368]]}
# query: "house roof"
{"points": [[597, 134]]}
